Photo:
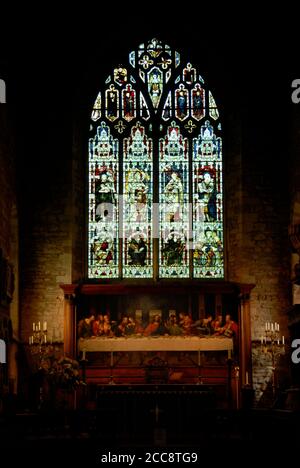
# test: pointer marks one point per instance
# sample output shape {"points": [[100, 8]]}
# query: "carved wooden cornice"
{"points": [[157, 287]]}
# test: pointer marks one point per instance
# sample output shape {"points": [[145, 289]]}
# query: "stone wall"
{"points": [[45, 187]]}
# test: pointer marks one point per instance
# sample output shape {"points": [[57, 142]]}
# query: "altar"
{"points": [[211, 359], [159, 343]]}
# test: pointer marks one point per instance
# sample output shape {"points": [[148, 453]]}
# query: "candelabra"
{"points": [[41, 350], [38, 343], [273, 343]]}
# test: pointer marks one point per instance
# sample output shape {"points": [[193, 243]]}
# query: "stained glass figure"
{"points": [[174, 197], [103, 204], [112, 103], [198, 102], [128, 103], [155, 85], [138, 200], [207, 204], [182, 102]]}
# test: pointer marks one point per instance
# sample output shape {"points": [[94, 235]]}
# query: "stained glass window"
{"points": [[155, 171]]}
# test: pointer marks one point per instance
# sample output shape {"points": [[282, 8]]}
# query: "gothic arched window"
{"points": [[155, 172]]}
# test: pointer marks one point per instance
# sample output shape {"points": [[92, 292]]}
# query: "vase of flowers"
{"points": [[64, 379]]}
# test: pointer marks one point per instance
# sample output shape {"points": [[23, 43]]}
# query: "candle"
{"points": [[83, 354], [33, 326], [30, 340], [283, 340], [247, 378], [272, 326], [266, 326], [39, 326], [45, 339], [261, 339], [45, 326]]}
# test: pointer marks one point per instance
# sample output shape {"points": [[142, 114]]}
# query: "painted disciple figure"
{"points": [[98, 325], [173, 327], [173, 197], [137, 249], [230, 328], [207, 197], [85, 326], [156, 327], [173, 249]]}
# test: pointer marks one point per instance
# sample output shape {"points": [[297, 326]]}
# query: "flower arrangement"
{"points": [[64, 373]]}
